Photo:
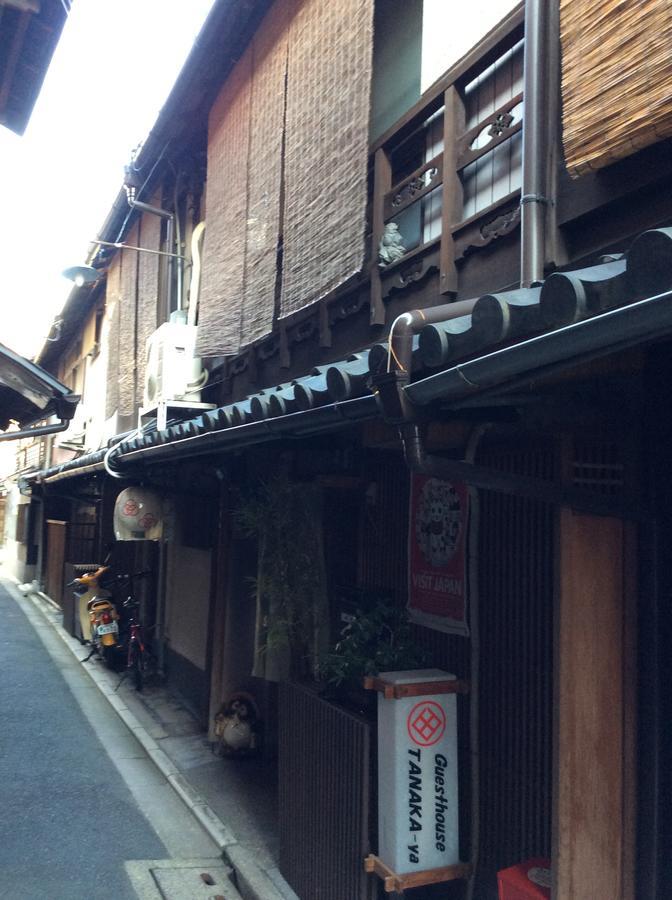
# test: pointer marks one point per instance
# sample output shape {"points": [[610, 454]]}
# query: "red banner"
{"points": [[437, 554]]}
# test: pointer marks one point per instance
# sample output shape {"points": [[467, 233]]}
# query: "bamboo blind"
{"points": [[616, 69], [328, 103], [222, 284], [290, 123], [112, 293], [265, 173], [128, 307], [148, 288]]}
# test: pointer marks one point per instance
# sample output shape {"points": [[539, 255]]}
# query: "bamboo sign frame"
{"points": [[616, 67]]}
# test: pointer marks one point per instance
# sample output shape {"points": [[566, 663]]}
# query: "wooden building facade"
{"points": [[532, 366]]}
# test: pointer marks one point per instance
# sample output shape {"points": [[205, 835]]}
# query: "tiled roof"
{"points": [[329, 396]]}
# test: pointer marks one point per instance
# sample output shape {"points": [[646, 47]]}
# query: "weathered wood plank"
{"points": [[593, 710]]}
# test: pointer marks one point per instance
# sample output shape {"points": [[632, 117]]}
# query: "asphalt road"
{"points": [[68, 820]]}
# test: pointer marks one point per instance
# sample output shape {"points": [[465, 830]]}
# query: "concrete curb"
{"points": [[251, 880]]}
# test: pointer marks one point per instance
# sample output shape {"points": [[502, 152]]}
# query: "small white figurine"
{"points": [[391, 245]]}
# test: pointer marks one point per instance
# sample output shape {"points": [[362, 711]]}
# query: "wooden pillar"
{"points": [[594, 710], [218, 610], [453, 129], [382, 183]]}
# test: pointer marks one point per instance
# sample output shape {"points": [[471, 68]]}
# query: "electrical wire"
{"points": [[110, 450], [141, 189], [390, 349], [106, 460]]}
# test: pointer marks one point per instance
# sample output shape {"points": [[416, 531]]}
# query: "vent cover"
{"points": [[598, 466]]}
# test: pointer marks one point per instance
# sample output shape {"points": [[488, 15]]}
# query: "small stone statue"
{"points": [[236, 726], [391, 245]]}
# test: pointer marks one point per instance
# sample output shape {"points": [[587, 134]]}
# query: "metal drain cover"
{"points": [[181, 879], [186, 883]]}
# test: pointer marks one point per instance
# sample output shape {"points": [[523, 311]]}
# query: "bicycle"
{"points": [[137, 654]]}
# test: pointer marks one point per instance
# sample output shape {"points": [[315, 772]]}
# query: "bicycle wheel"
{"points": [[136, 665]]}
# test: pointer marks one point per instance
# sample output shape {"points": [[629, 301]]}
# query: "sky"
{"points": [[112, 71]]}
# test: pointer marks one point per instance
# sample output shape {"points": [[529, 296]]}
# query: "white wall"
{"points": [[451, 28], [188, 601]]}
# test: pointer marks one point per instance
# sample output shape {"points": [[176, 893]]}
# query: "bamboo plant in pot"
{"points": [[378, 639]]}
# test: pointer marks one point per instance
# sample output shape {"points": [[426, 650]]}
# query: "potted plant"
{"points": [[378, 639]]}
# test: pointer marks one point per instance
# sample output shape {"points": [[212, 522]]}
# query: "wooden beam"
{"points": [[325, 324], [453, 128]]}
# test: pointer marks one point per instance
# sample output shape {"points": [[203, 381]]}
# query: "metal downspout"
{"points": [[390, 386], [170, 275], [533, 200], [179, 302]]}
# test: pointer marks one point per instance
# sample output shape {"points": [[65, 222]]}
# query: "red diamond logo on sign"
{"points": [[426, 723]]}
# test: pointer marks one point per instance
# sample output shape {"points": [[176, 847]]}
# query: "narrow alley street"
{"points": [[80, 798]]}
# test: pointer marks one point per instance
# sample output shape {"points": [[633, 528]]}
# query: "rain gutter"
{"points": [[299, 424], [70, 473], [598, 336], [589, 339]]}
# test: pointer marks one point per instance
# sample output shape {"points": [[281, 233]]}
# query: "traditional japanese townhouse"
{"points": [[407, 251]]}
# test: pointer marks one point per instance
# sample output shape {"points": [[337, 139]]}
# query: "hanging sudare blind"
{"points": [[287, 158], [616, 70]]}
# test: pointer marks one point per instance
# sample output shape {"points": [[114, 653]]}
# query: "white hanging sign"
{"points": [[417, 776]]}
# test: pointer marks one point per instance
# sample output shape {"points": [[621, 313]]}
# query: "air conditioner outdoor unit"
{"points": [[173, 372]]}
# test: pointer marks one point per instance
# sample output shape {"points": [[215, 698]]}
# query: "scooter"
{"points": [[98, 616]]}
